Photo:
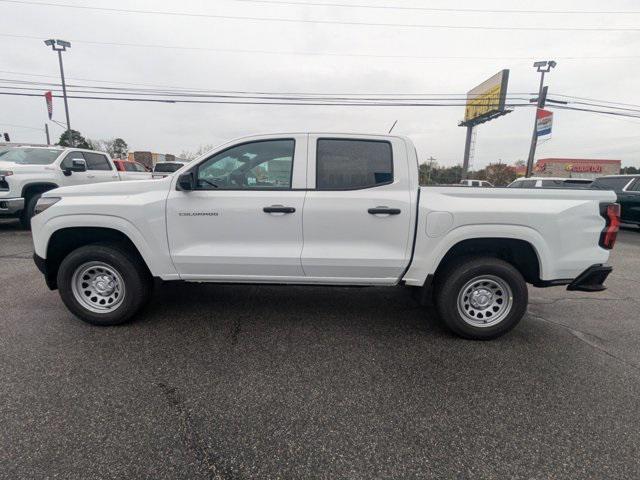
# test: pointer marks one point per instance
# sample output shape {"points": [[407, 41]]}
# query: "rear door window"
{"points": [[552, 184], [346, 164], [96, 161], [528, 184]]}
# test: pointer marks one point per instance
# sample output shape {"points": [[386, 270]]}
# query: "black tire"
{"points": [[29, 210], [137, 282], [456, 278]]}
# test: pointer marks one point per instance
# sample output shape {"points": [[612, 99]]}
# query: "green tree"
{"points": [[119, 148], [73, 138], [629, 170]]}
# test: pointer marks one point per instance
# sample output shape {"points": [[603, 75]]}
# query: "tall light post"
{"points": [[543, 67], [61, 46]]}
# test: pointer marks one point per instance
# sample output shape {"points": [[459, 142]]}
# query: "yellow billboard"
{"points": [[487, 99]]}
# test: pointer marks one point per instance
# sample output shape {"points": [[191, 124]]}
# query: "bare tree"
{"points": [[190, 155]]}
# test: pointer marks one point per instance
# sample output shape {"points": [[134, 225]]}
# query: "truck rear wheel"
{"points": [[103, 284], [481, 298]]}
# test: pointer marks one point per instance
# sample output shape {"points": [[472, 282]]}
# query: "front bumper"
{"points": [[41, 264], [11, 206], [592, 279]]}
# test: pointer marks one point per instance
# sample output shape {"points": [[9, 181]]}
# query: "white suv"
{"points": [[550, 182]]}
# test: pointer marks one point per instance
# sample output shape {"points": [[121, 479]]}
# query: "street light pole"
{"points": [[61, 46], [543, 67]]}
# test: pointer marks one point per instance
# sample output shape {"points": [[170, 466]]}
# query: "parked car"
{"points": [[550, 182], [131, 170], [27, 172], [475, 183], [627, 189], [163, 169], [322, 209]]}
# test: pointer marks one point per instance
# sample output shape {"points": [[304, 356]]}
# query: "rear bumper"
{"points": [[11, 206], [592, 279]]}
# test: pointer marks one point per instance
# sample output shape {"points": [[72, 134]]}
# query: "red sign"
{"points": [[48, 96], [569, 167], [544, 122]]}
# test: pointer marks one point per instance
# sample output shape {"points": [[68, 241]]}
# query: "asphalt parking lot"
{"points": [[267, 382]]}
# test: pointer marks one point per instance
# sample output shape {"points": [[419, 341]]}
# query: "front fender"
{"points": [[152, 248]]}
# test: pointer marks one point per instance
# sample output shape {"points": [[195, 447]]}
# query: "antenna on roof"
{"points": [[394, 124]]}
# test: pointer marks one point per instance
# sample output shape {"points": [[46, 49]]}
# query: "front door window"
{"points": [[262, 165]]}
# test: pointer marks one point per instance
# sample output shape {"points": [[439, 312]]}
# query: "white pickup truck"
{"points": [[322, 209], [27, 172]]}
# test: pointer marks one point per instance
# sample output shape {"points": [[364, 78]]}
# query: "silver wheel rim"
{"points": [[98, 287], [485, 301]]}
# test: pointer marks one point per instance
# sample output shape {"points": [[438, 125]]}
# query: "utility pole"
{"points": [[467, 151], [543, 67], [46, 131], [61, 46], [431, 160]]}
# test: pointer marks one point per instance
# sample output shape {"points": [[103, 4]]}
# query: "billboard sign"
{"points": [[487, 99], [544, 122]]}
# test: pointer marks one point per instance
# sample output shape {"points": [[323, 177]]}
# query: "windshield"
{"points": [[167, 167], [31, 156]]}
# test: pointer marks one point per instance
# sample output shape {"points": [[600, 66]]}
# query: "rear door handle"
{"points": [[278, 209], [384, 211]]}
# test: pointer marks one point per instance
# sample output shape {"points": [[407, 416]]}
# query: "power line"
{"points": [[359, 98], [39, 86], [332, 54], [603, 112], [434, 9], [596, 100], [179, 89], [325, 22], [237, 102], [308, 103]]}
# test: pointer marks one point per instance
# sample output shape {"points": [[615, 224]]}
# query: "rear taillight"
{"points": [[611, 214]]}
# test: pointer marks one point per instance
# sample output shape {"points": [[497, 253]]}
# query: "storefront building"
{"points": [[576, 167]]}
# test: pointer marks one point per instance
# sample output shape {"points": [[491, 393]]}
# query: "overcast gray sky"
{"points": [[177, 127]]}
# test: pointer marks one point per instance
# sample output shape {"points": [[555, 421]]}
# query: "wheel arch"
{"points": [[522, 254], [65, 240], [517, 252], [32, 188]]}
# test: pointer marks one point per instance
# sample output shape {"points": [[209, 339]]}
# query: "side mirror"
{"points": [[77, 165], [186, 182]]}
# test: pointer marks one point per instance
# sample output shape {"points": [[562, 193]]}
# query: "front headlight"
{"points": [[44, 203], [5, 173]]}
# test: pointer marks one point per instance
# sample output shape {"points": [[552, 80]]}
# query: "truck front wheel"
{"points": [[29, 211], [481, 298], [103, 284]]}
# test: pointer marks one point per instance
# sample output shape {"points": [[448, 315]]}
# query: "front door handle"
{"points": [[278, 209], [384, 211]]}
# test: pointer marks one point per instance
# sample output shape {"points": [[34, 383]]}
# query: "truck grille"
{"points": [[4, 185]]}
